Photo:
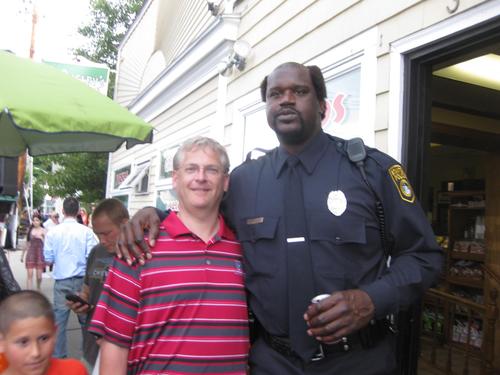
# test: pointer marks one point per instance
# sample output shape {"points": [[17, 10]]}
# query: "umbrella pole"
{"points": [[21, 170]]}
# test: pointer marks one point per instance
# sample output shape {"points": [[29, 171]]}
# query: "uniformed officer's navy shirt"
{"points": [[345, 247]]}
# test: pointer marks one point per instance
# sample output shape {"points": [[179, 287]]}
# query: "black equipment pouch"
{"points": [[253, 327], [374, 332], [8, 284]]}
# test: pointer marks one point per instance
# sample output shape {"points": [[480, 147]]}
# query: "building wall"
{"points": [[305, 31], [191, 116], [165, 30], [182, 22], [342, 37], [137, 48]]}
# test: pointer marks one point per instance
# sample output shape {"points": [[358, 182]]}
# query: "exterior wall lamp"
{"points": [[237, 58], [213, 8]]}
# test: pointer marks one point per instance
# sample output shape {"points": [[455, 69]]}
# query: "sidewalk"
{"points": [[19, 270]]}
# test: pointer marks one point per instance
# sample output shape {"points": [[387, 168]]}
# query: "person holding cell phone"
{"points": [[106, 220]]}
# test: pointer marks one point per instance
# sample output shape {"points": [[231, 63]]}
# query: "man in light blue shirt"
{"points": [[67, 246]]}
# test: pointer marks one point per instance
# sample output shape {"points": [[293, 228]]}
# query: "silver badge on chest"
{"points": [[337, 202]]}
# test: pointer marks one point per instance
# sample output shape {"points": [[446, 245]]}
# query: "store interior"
{"points": [[464, 193]]}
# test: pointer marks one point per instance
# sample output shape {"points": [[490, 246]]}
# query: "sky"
{"points": [[56, 30]]}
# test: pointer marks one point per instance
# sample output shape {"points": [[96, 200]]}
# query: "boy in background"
{"points": [[28, 337], [106, 220]]}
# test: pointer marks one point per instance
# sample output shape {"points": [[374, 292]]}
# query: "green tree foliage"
{"points": [[110, 20], [84, 174], [42, 167]]}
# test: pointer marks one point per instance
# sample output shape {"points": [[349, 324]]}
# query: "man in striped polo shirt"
{"points": [[184, 311]]}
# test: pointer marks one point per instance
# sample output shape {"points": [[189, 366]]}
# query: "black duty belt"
{"points": [[365, 338]]}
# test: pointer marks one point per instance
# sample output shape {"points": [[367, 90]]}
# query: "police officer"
{"points": [[357, 212]]}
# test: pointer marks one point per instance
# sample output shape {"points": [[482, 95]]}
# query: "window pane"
{"points": [[342, 104], [120, 176]]}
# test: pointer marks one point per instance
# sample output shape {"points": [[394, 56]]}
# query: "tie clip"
{"points": [[255, 220], [295, 239]]}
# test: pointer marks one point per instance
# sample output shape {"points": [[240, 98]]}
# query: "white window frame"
{"points": [[134, 179], [172, 206], [358, 52], [165, 181], [140, 180], [123, 195], [112, 190], [244, 107], [113, 176]]}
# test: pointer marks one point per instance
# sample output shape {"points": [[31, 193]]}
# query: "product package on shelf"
{"points": [[461, 246], [442, 241], [432, 321], [465, 332], [477, 247], [467, 269]]}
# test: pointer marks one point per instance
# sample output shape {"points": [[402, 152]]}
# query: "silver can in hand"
{"points": [[319, 298]]}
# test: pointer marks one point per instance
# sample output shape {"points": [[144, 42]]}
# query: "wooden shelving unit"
{"points": [[463, 274], [466, 250], [465, 257]]}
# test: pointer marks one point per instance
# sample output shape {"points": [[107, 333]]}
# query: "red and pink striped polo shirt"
{"points": [[184, 311]]}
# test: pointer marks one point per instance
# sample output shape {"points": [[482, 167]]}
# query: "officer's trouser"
{"points": [[379, 360]]}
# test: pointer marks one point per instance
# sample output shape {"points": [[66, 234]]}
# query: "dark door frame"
{"points": [[416, 135], [418, 67]]}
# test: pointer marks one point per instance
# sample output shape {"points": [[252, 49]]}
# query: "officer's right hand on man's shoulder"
{"points": [[131, 243]]}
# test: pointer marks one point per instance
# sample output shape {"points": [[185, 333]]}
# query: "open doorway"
{"points": [[451, 148]]}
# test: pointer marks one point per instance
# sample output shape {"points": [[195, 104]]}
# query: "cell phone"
{"points": [[76, 298]]}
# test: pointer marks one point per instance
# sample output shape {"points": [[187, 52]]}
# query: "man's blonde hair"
{"points": [[199, 142]]}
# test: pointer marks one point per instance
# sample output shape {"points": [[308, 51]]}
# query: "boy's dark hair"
{"points": [[317, 79], [71, 206], [22, 305], [114, 209]]}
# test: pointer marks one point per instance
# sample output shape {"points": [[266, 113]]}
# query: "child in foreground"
{"points": [[28, 337]]}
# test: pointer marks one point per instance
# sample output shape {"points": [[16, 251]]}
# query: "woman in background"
{"points": [[83, 217], [34, 252]]}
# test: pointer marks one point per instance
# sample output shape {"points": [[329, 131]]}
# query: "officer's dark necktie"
{"points": [[300, 275]]}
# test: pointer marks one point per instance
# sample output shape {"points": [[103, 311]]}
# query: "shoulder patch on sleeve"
{"points": [[402, 184]]}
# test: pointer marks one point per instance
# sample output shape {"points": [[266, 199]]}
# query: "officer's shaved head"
{"points": [[317, 79]]}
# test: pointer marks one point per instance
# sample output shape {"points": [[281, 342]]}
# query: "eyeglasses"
{"points": [[209, 170]]}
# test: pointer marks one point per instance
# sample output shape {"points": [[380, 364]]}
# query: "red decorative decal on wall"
{"points": [[335, 111]]}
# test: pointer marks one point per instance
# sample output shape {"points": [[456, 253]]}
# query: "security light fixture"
{"points": [[213, 8], [241, 51]]}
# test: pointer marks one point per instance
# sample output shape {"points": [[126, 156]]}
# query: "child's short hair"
{"points": [[22, 305]]}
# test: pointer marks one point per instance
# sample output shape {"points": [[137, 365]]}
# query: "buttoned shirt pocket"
{"points": [[338, 243], [258, 237], [339, 230]]}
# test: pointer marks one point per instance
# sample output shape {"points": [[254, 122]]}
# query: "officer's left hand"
{"points": [[339, 315]]}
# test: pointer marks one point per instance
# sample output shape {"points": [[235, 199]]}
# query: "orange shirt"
{"points": [[3, 362], [57, 366], [66, 366]]}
